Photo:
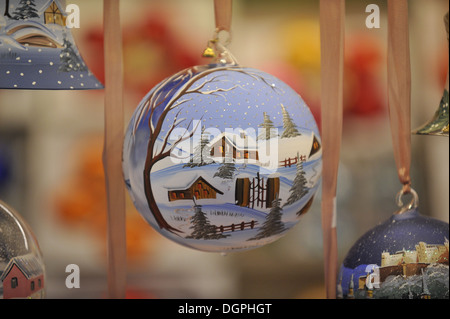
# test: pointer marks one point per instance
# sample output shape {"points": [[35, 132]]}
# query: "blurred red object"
{"points": [[152, 51], [364, 68]]}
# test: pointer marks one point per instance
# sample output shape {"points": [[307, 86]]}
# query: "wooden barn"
{"points": [[199, 188], [23, 277], [240, 147]]}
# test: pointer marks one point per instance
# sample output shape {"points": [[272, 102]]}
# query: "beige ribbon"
{"points": [[399, 88], [112, 152], [222, 12], [332, 32]]}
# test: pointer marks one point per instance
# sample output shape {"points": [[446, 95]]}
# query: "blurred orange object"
{"points": [[81, 201]]}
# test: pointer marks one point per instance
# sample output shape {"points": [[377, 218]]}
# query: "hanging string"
{"points": [[217, 46], [332, 22], [112, 152], [399, 88], [222, 13]]}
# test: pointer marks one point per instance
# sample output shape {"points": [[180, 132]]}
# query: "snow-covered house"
{"points": [[52, 11], [192, 185], [241, 147], [38, 25], [23, 277]]}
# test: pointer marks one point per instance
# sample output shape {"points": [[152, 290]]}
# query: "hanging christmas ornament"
{"points": [[222, 157], [407, 255], [22, 270], [37, 49], [438, 125]]}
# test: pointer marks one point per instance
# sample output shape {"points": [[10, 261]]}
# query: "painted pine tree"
{"points": [[290, 129], [268, 129], [202, 228], [69, 58], [26, 9], [273, 224], [202, 152], [226, 169], [298, 188]]}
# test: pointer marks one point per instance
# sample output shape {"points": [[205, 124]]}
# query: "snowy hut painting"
{"points": [[37, 50], [241, 147], [23, 277], [197, 188], [227, 147]]}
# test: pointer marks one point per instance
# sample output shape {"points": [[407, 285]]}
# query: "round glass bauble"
{"points": [[222, 157], [405, 257], [22, 270]]}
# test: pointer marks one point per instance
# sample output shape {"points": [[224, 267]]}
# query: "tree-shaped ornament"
{"points": [[205, 159]]}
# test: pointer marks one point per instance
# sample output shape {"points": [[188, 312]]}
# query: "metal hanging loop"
{"points": [[217, 46], [414, 203]]}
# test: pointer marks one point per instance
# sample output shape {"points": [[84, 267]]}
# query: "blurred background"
{"points": [[51, 145]]}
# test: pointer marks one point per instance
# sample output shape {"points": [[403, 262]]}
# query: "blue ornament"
{"points": [[222, 158], [37, 49], [405, 257]]}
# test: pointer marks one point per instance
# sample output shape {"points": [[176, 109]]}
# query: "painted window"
{"points": [[14, 282]]}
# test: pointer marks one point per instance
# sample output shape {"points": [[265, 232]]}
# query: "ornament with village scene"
{"points": [[222, 157]]}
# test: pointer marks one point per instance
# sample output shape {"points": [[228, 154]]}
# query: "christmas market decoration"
{"points": [[221, 157], [37, 49], [404, 257], [438, 125], [22, 269]]}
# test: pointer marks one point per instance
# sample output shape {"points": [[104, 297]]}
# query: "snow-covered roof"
{"points": [[241, 141], [244, 175], [28, 264], [19, 29], [184, 180], [41, 9]]}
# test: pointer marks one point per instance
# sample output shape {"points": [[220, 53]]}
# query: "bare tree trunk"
{"points": [[151, 200], [7, 9]]}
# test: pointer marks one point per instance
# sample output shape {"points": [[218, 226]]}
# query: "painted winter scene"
{"points": [[222, 158], [37, 49]]}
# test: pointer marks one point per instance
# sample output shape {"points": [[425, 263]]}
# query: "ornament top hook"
{"points": [[414, 203], [217, 46]]}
